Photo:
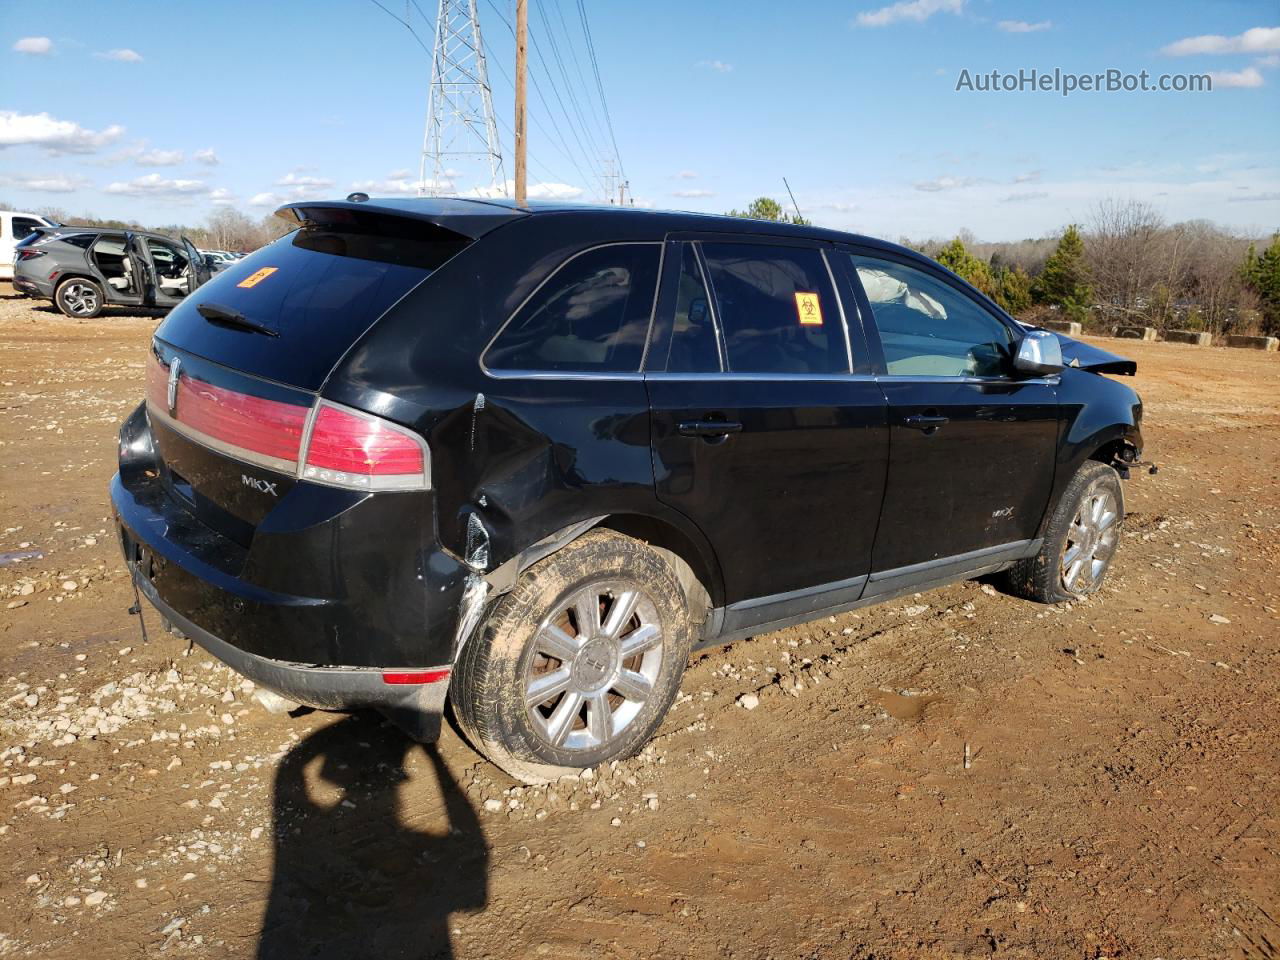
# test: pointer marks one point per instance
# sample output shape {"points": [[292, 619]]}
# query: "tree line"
{"points": [[1124, 266]]}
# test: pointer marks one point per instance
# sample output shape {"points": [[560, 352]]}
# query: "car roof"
{"points": [[473, 217]]}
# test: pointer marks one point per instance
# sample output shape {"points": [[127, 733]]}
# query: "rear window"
{"points": [[319, 289]]}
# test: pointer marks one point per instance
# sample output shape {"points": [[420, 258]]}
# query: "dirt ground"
{"points": [[1122, 799]]}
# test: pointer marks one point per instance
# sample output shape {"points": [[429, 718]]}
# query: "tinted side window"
{"points": [[929, 328], [777, 310], [592, 315], [22, 227], [693, 333], [82, 240]]}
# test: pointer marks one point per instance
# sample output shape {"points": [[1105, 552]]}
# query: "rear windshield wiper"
{"points": [[226, 317]]}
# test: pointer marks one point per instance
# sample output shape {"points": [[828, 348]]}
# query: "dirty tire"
{"points": [[1041, 577], [489, 690], [79, 298]]}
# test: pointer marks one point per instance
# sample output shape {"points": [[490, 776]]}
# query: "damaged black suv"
{"points": [[526, 458]]}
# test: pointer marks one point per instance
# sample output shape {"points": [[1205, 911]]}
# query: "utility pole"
{"points": [[522, 66], [461, 126]]}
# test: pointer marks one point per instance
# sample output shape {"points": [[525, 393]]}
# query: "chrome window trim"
{"points": [[498, 375], [713, 305], [844, 319], [560, 375], [768, 377], [928, 378]]}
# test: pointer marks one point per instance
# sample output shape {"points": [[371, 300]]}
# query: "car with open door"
{"points": [[524, 459], [84, 269]]}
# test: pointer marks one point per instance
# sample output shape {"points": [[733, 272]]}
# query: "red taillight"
{"points": [[416, 676], [262, 431], [26, 253], [356, 450], [344, 448]]}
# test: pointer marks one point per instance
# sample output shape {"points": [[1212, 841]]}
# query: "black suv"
{"points": [[530, 457], [83, 269]]}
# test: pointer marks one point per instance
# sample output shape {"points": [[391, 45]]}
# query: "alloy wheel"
{"points": [[80, 298], [594, 665], [1091, 540]]}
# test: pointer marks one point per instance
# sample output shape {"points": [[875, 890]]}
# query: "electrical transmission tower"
{"points": [[460, 121]]}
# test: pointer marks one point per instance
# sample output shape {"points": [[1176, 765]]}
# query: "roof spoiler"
{"points": [[471, 219]]}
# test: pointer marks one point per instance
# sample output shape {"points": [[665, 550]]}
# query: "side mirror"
{"points": [[1039, 354], [210, 261]]}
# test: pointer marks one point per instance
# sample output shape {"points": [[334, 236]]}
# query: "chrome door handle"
{"points": [[928, 425], [709, 429]]}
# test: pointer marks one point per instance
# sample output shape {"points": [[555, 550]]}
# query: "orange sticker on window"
{"points": [[809, 309], [255, 278]]}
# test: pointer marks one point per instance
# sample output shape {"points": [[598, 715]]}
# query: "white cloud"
{"points": [[1025, 197], [154, 185], [719, 66], [943, 183], [40, 46], [1272, 60], [917, 10], [207, 157], [1257, 40], [1030, 176], [536, 191], [222, 197], [265, 199], [398, 183], [1248, 77], [47, 183], [1021, 26], [159, 158], [124, 55], [692, 194], [686, 175], [301, 180], [55, 136]]}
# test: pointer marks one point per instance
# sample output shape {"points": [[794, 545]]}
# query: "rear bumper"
{"points": [[30, 287], [327, 688]]}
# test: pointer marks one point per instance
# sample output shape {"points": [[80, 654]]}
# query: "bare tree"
{"points": [[1125, 260]]}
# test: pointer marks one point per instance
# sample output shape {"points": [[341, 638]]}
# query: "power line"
{"points": [[564, 144], [595, 67]]}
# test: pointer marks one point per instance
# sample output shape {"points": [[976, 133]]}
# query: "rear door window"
{"points": [[694, 343], [777, 309], [592, 315], [24, 227]]}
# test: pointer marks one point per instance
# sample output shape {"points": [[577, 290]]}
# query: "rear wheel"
{"points": [[79, 298], [578, 664], [1079, 542]]}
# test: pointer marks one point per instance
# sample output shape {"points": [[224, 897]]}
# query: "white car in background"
{"points": [[15, 227]]}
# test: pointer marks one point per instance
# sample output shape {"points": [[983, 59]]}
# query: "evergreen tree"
{"points": [[766, 208], [1064, 281], [1262, 274], [963, 264]]}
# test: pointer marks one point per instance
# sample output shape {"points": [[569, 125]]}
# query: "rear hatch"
{"points": [[235, 369]]}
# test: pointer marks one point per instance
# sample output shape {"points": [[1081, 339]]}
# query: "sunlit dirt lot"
{"points": [[1122, 799]]}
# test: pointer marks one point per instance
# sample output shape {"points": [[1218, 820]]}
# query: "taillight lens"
{"points": [[26, 253], [359, 451]]}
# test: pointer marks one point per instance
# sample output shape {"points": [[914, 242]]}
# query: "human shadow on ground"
{"points": [[351, 878]]}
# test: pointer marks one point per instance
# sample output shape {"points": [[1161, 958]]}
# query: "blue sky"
{"points": [[133, 110]]}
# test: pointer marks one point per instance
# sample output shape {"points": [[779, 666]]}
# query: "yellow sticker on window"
{"points": [[809, 309], [255, 278]]}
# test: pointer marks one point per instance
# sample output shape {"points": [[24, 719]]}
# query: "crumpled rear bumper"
{"points": [[417, 708]]}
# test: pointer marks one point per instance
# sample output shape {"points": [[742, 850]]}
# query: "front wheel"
{"points": [[579, 663], [1080, 540], [79, 298]]}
